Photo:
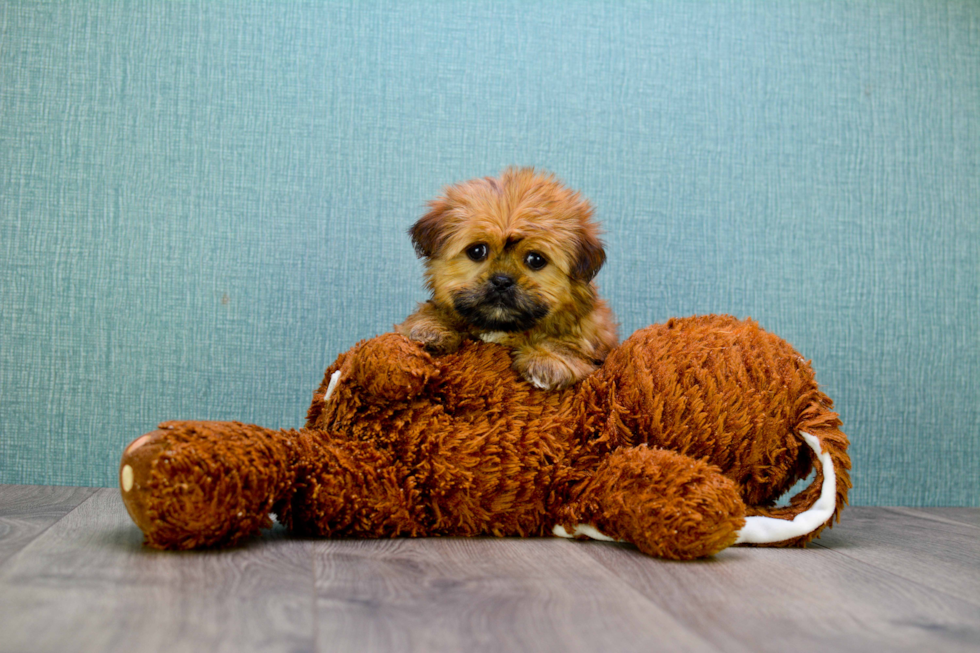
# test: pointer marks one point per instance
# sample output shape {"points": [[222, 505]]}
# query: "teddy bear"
{"points": [[680, 444]]}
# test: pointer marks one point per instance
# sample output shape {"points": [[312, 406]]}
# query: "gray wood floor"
{"points": [[74, 577]]}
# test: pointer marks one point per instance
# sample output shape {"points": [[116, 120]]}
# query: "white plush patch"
{"points": [[580, 530], [334, 380], [765, 530], [127, 478]]}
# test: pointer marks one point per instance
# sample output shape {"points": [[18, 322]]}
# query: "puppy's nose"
{"points": [[502, 281]]}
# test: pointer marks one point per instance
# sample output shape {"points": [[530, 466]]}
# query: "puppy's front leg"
{"points": [[551, 365], [433, 328]]}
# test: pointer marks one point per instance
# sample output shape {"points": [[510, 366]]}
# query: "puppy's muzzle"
{"points": [[500, 305], [502, 293]]}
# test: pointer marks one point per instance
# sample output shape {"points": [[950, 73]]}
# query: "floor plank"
{"points": [[483, 595], [968, 516], [921, 545], [26, 511], [756, 599], [88, 584]]}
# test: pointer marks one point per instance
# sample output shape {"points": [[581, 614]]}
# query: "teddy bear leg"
{"points": [[350, 488], [198, 484], [667, 504]]}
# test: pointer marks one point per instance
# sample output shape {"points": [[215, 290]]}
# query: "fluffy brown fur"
{"points": [[687, 428], [511, 260]]}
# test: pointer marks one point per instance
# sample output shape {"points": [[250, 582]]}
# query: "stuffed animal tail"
{"points": [[814, 508]]}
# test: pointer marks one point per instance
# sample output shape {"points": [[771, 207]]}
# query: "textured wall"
{"points": [[201, 204]]}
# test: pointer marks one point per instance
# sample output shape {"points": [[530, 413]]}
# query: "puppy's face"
{"points": [[508, 254]]}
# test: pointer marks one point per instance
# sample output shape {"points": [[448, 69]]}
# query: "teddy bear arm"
{"points": [[665, 503], [387, 368]]}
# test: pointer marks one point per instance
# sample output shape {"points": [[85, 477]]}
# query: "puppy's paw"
{"points": [[436, 338], [551, 368]]}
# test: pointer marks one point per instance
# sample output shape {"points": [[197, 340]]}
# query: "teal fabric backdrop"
{"points": [[202, 203]]}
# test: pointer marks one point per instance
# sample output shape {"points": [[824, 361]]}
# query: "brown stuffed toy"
{"points": [[680, 444]]}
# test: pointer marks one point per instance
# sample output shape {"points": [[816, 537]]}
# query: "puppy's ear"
{"points": [[590, 257], [432, 229]]}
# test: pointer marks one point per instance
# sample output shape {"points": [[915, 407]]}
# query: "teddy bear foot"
{"points": [[198, 484], [666, 504]]}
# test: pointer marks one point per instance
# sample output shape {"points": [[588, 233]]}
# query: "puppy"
{"points": [[511, 260]]}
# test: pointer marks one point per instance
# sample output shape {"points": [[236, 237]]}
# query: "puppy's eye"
{"points": [[477, 252], [535, 261]]}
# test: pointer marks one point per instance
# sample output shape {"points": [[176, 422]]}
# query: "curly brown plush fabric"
{"points": [[686, 429]]}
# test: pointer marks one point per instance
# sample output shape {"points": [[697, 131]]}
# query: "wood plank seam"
{"points": [[919, 585], [92, 491], [923, 513]]}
